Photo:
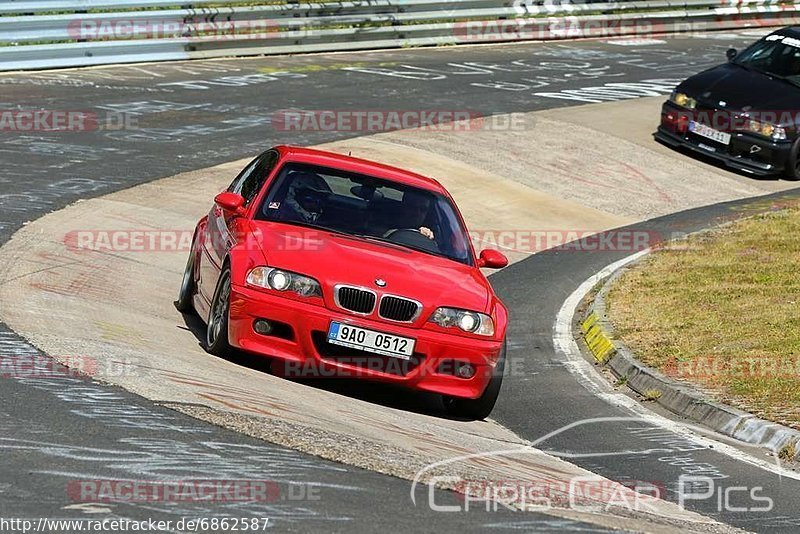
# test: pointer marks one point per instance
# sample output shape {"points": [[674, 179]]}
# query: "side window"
{"points": [[249, 182], [236, 184]]}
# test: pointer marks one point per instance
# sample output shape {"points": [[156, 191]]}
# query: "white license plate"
{"points": [[710, 133], [360, 338]]}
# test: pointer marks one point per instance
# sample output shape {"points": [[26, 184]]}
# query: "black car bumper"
{"points": [[745, 152]]}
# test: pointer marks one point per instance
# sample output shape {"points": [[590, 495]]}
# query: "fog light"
{"points": [[465, 370], [262, 327]]}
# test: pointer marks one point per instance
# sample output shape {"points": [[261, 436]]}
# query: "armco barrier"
{"points": [[65, 33]]}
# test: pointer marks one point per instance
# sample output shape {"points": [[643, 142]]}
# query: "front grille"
{"points": [[398, 309], [356, 300]]}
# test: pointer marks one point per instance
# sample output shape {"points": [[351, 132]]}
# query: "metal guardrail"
{"points": [[69, 33]]}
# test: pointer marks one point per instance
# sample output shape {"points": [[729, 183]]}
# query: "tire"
{"points": [[185, 303], [217, 326], [792, 171], [480, 408]]}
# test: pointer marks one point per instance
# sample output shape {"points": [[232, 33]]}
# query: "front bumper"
{"points": [[746, 152], [303, 347]]}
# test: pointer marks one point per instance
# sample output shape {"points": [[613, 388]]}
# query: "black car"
{"points": [[746, 112]]}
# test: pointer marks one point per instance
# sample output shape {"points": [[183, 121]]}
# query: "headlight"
{"points": [[281, 280], [683, 100], [767, 130], [468, 321]]}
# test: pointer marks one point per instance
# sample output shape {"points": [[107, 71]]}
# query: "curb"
{"points": [[683, 400]]}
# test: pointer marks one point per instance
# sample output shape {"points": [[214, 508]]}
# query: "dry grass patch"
{"points": [[722, 309]]}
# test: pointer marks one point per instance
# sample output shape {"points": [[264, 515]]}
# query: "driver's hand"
{"points": [[427, 232]]}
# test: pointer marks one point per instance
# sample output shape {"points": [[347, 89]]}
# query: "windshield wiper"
{"points": [[402, 245], [309, 225], [380, 240], [767, 73], [785, 79]]}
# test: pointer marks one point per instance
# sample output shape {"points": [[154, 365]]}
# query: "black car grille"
{"points": [[355, 300], [364, 359], [398, 309]]}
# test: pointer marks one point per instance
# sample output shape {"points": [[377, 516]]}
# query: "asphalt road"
{"points": [[178, 117], [545, 396]]}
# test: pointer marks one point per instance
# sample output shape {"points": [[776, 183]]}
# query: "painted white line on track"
{"points": [[586, 374], [635, 42]]}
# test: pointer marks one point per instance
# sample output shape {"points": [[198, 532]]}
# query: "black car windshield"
{"points": [[366, 207], [775, 55]]}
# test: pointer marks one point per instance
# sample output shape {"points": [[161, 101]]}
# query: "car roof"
{"points": [[360, 166], [794, 31]]}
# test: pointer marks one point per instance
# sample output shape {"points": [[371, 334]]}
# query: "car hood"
{"points": [[339, 259], [741, 90]]}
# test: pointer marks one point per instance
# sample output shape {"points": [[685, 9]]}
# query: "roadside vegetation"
{"points": [[722, 310]]}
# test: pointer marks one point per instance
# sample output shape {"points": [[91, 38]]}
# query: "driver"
{"points": [[416, 207], [302, 209]]}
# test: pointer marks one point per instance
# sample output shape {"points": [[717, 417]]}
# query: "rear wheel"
{"points": [[481, 407], [217, 329]]}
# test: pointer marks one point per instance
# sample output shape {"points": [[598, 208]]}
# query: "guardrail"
{"points": [[70, 33]]}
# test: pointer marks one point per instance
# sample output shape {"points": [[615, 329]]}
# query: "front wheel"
{"points": [[480, 408], [792, 171], [217, 329], [185, 303]]}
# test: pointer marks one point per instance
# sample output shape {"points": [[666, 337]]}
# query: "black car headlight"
{"points": [[468, 321], [683, 100], [766, 129], [281, 280]]}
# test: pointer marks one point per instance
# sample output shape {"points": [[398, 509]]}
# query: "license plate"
{"points": [[710, 133], [360, 338]]}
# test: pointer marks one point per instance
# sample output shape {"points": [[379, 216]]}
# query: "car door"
{"points": [[223, 229]]}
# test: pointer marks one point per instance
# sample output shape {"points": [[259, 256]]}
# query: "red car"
{"points": [[337, 266]]}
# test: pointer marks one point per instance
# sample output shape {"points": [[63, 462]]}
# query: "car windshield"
{"points": [[775, 55], [366, 207]]}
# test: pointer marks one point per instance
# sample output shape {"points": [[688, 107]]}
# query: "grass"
{"points": [[652, 395], [787, 452], [722, 310]]}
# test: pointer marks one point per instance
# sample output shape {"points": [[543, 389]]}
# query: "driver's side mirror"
{"points": [[230, 202], [492, 259], [731, 53]]}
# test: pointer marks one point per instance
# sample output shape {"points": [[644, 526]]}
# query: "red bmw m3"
{"points": [[337, 266]]}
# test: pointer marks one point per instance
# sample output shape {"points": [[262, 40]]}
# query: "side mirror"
{"points": [[492, 259], [731, 53], [230, 202]]}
